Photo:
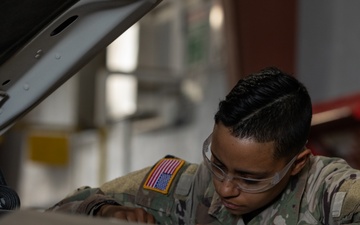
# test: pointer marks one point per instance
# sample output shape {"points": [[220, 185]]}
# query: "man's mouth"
{"points": [[231, 206]]}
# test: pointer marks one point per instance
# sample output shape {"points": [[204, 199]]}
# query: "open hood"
{"points": [[45, 42]]}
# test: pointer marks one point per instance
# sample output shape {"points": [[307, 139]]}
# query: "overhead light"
{"points": [[216, 17], [122, 54], [121, 95]]}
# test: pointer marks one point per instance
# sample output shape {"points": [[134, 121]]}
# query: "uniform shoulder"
{"points": [[128, 183], [341, 188]]}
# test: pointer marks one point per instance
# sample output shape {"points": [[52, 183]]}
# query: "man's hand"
{"points": [[126, 213]]}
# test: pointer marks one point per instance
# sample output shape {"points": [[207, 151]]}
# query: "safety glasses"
{"points": [[245, 184]]}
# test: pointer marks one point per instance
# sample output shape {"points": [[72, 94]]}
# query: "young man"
{"points": [[256, 170]]}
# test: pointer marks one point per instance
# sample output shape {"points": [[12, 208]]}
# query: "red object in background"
{"points": [[352, 101], [335, 129]]}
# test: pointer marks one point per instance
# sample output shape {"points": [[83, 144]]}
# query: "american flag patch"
{"points": [[163, 174]]}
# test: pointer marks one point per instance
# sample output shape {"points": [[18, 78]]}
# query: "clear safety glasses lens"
{"points": [[245, 184]]}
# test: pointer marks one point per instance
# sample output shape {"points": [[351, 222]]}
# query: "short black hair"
{"points": [[269, 106]]}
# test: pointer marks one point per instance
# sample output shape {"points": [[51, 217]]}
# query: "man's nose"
{"points": [[228, 188]]}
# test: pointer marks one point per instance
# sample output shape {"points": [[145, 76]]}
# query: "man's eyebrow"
{"points": [[242, 172]]}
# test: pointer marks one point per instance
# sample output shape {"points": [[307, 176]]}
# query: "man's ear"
{"points": [[300, 162]]}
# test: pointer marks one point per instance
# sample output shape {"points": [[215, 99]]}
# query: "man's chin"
{"points": [[239, 211]]}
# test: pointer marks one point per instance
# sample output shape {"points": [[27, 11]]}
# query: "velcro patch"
{"points": [[337, 203], [162, 175]]}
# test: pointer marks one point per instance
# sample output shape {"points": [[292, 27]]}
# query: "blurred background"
{"points": [[155, 89]]}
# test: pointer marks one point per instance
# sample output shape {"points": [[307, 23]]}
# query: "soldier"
{"points": [[256, 170]]}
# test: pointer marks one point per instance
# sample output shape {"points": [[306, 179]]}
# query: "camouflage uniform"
{"points": [[327, 191]]}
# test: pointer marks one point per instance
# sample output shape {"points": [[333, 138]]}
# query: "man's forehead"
{"points": [[245, 154]]}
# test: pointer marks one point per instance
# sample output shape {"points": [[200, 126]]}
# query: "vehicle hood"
{"points": [[43, 43]]}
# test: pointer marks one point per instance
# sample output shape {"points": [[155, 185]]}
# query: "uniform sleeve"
{"points": [[84, 201], [88, 200]]}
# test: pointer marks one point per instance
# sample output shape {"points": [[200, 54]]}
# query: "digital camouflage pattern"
{"points": [[326, 192]]}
